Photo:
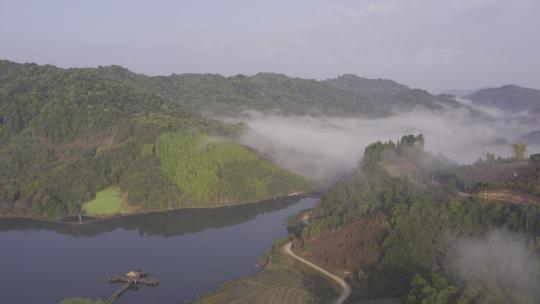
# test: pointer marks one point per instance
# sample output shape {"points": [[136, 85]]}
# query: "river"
{"points": [[189, 251]]}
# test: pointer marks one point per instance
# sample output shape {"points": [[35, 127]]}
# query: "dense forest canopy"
{"points": [[66, 134], [401, 227], [348, 95], [216, 95]]}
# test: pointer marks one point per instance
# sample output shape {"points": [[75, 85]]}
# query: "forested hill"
{"points": [[348, 95], [392, 96], [508, 97], [401, 228], [217, 95], [67, 134]]}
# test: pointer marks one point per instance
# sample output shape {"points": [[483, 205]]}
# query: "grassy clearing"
{"points": [[107, 202]]}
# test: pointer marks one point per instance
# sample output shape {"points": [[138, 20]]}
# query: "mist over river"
{"points": [[189, 251]]}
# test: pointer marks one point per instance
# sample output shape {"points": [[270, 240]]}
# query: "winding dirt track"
{"points": [[346, 289]]}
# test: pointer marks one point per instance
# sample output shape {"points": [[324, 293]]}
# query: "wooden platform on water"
{"points": [[130, 279], [134, 280]]}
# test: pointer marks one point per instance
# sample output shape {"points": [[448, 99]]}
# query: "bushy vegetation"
{"points": [[279, 94], [212, 169], [230, 96], [425, 215], [67, 134]]}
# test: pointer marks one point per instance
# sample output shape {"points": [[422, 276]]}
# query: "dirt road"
{"points": [[346, 289]]}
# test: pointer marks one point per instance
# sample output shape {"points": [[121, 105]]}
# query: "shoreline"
{"points": [[99, 219]]}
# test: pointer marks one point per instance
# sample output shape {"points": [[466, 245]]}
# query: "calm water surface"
{"points": [[189, 251]]}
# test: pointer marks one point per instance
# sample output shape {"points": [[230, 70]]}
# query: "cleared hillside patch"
{"points": [[214, 170], [107, 202]]}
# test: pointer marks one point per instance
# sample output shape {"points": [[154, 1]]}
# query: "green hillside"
{"points": [[216, 95], [67, 134], [347, 95], [392, 224], [212, 169]]}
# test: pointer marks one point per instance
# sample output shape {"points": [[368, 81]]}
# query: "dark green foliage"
{"points": [[66, 134], [218, 95], [279, 94], [435, 291], [411, 140], [408, 144], [375, 152], [425, 216]]}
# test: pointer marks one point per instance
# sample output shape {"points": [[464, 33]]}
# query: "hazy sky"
{"points": [[430, 44]]}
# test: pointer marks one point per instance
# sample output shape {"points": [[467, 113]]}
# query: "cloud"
{"points": [[431, 55], [326, 148], [364, 10], [500, 260]]}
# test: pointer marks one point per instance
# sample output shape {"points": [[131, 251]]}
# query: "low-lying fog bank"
{"points": [[500, 259], [324, 148]]}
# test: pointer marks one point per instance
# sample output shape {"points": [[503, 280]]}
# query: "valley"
{"points": [[270, 152], [171, 156]]}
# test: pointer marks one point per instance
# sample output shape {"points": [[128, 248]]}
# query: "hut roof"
{"points": [[133, 274]]}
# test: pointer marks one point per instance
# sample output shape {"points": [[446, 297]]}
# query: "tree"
{"points": [[535, 158], [519, 151], [420, 140]]}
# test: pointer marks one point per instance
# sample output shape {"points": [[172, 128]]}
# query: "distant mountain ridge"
{"points": [[377, 89], [271, 93], [347, 95], [509, 97], [390, 95], [461, 92]]}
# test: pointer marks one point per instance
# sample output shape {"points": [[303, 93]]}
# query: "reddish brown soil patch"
{"points": [[509, 196], [398, 166], [62, 150], [350, 248], [497, 172]]}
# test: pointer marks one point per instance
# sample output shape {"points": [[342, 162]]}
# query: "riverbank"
{"points": [[286, 278], [218, 245], [86, 220], [283, 280]]}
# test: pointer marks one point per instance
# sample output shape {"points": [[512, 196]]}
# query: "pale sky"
{"points": [[429, 44]]}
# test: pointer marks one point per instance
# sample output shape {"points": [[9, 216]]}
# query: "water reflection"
{"points": [[169, 223], [189, 251]]}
